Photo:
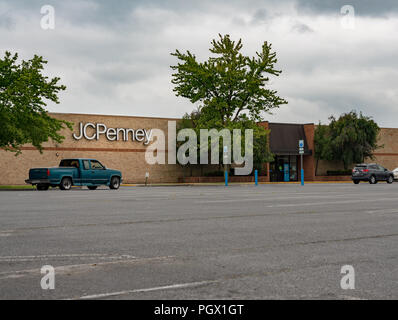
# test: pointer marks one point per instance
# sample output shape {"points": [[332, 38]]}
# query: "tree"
{"points": [[230, 88], [230, 84], [323, 145], [350, 139], [23, 91], [261, 153], [189, 121]]}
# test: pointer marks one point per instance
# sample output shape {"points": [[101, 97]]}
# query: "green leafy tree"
{"points": [[261, 152], [350, 139], [189, 121], [323, 145], [230, 88], [23, 91], [230, 84]]}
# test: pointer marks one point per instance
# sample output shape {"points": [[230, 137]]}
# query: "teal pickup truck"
{"points": [[75, 172]]}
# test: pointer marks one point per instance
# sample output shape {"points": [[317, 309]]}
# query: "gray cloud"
{"points": [[362, 7], [114, 57], [260, 15], [6, 20], [301, 28]]}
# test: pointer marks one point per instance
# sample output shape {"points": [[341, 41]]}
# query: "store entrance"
{"points": [[284, 168]]}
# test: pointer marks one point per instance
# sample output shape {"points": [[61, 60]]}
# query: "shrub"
{"points": [[339, 173], [214, 174]]}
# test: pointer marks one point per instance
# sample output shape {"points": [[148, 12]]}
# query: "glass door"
{"points": [[293, 168], [284, 168]]}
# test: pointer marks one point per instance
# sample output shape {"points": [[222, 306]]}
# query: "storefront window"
{"points": [[293, 168], [284, 168]]}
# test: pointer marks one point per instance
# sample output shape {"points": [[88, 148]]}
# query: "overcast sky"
{"points": [[114, 56]]}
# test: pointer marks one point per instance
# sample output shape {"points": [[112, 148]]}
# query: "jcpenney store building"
{"points": [[120, 142]]}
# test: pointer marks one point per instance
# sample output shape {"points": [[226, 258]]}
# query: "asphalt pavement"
{"points": [[201, 242]]}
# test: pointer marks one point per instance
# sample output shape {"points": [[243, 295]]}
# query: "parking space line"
{"points": [[64, 256], [169, 287]]}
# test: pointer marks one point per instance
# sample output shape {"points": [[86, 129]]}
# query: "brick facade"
{"points": [[386, 156], [129, 156]]}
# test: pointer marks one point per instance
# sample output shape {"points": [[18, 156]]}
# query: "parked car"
{"points": [[372, 173], [75, 172], [395, 173]]}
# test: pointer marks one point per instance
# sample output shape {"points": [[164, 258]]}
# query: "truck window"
{"points": [[69, 163], [96, 165], [75, 163], [86, 165]]}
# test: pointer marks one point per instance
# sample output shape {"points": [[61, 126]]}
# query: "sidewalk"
{"points": [[28, 187], [223, 184]]}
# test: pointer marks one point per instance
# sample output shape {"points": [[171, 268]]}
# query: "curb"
{"points": [[230, 184], [221, 184], [11, 189]]}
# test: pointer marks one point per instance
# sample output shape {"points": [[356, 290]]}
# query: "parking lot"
{"points": [[201, 242]]}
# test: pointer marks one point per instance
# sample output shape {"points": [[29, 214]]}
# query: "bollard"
{"points": [[302, 168], [256, 177], [226, 178]]}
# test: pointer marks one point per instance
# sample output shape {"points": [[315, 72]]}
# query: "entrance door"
{"points": [[284, 168], [293, 168], [286, 172]]}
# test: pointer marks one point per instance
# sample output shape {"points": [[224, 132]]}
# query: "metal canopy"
{"points": [[284, 138]]}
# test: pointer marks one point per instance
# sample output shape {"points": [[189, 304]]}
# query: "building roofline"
{"points": [[110, 115], [379, 127], [166, 118], [292, 124]]}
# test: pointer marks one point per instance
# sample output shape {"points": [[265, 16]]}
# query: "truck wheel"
{"points": [[115, 183], [66, 184], [356, 181], [372, 180], [390, 179], [92, 187], [42, 187]]}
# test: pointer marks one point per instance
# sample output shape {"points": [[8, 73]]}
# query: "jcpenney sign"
{"points": [[91, 131]]}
